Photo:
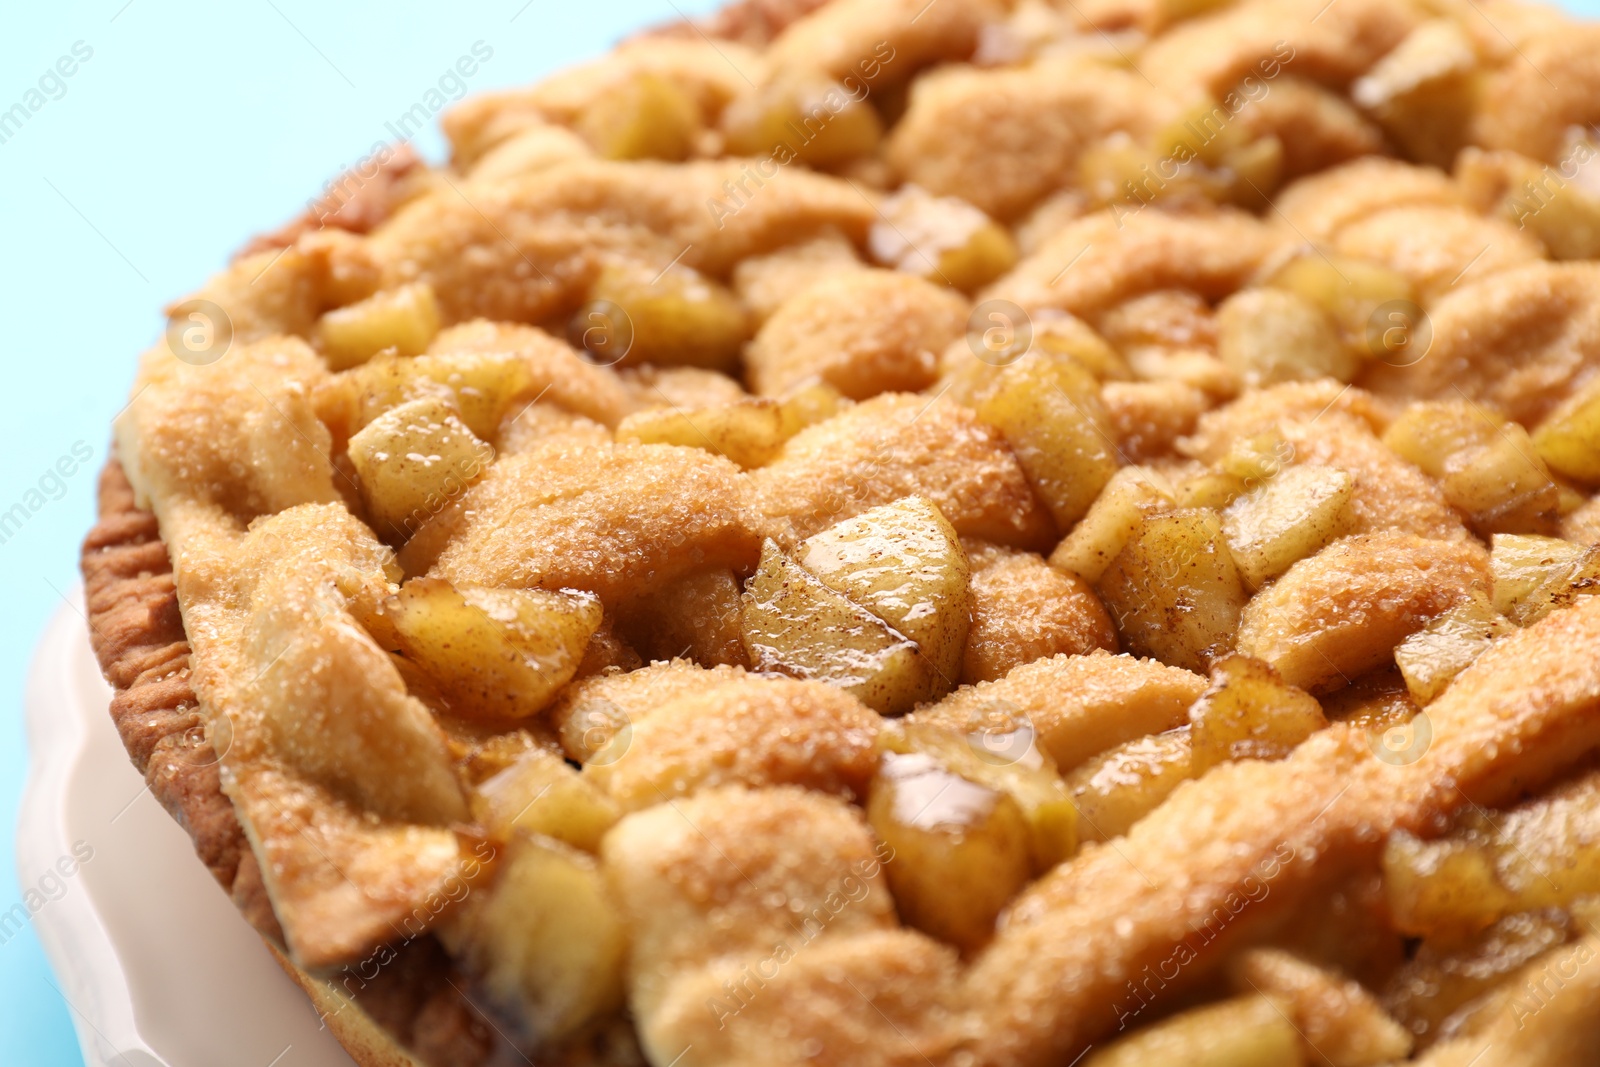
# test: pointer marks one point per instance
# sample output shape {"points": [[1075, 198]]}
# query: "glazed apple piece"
{"points": [[1113, 518], [1060, 335], [1257, 458], [1214, 489], [413, 460], [675, 316], [1010, 762], [1425, 92], [1348, 290], [1444, 887], [542, 794], [479, 748], [1488, 467], [544, 941], [1445, 976], [1533, 575], [808, 403], [810, 119], [751, 432], [941, 238], [1229, 163], [1569, 438], [794, 624], [1294, 515], [1118, 788], [1052, 336], [493, 653], [404, 319], [1521, 563], [1430, 432], [904, 563], [1502, 485], [642, 117], [960, 849], [1268, 336], [1543, 853], [1430, 659], [1050, 413], [1175, 591], [480, 386], [1111, 169], [1560, 589], [1248, 464], [1249, 712]]}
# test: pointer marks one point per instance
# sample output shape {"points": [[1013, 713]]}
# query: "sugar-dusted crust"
{"points": [[322, 649], [350, 203], [139, 640]]}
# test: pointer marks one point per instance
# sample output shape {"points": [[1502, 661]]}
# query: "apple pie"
{"points": [[987, 533]]}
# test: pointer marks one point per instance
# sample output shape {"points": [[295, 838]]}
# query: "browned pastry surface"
{"points": [[138, 637], [868, 532]]}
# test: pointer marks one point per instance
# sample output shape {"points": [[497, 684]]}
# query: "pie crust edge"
{"points": [[139, 641]]}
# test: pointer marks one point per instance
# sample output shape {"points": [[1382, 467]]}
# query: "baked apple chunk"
{"points": [[1175, 590], [905, 564], [877, 604], [1051, 413], [403, 319], [412, 460], [493, 653], [960, 848], [793, 624], [545, 938]]}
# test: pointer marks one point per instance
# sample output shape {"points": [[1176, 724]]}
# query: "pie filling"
{"points": [[971, 533]]}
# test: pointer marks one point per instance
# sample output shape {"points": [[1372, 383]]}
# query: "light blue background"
{"points": [[193, 126]]}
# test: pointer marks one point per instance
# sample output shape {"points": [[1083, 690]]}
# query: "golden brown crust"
{"points": [[139, 640], [1118, 257], [368, 1044], [896, 445], [356, 200], [1231, 851], [1533, 103], [1079, 706], [1523, 340], [1005, 139], [1024, 610]]}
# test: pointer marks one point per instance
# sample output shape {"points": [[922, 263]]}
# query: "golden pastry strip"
{"points": [[771, 905], [342, 779], [1232, 851]]}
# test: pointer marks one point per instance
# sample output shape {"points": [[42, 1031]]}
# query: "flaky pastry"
{"points": [[983, 532]]}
